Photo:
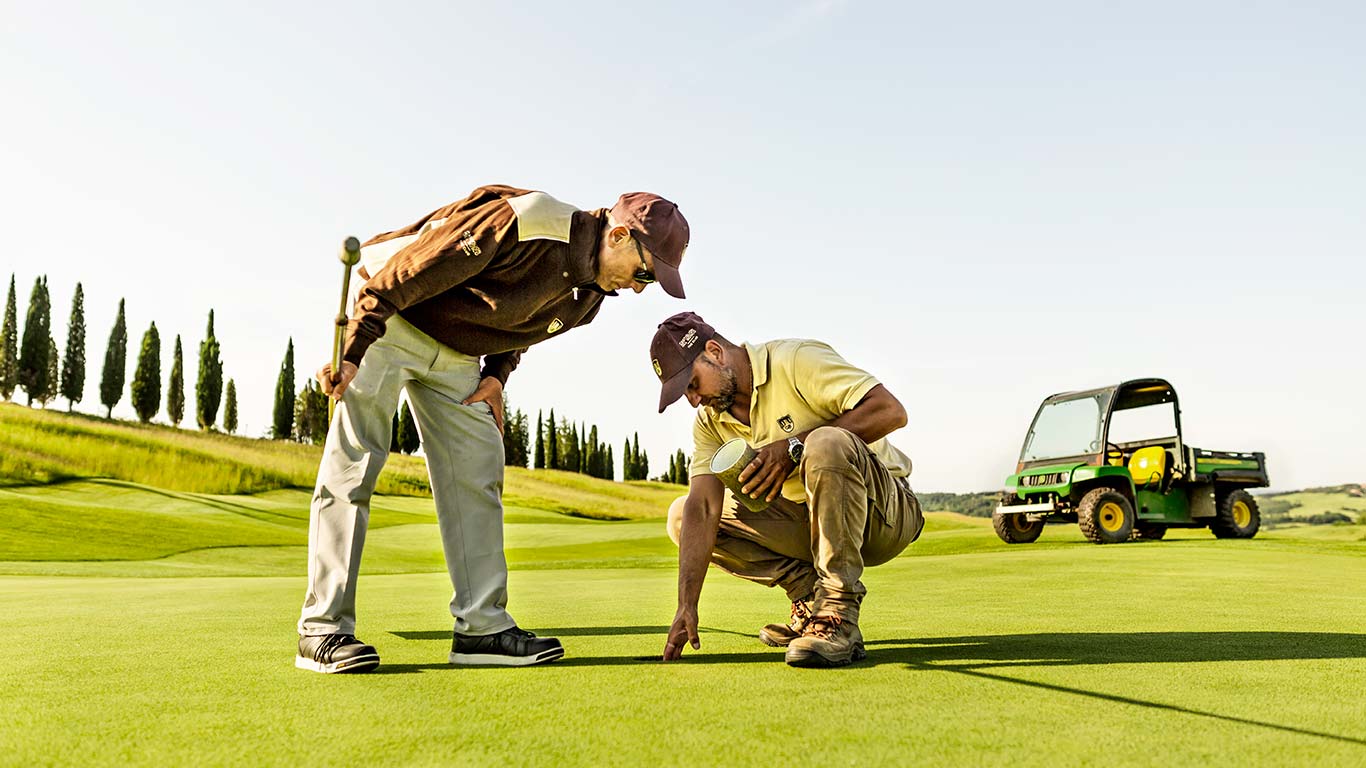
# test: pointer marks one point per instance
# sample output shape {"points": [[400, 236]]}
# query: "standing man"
{"points": [[484, 277], [837, 491]]}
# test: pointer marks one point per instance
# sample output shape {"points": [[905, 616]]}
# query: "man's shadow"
{"points": [[986, 657]]}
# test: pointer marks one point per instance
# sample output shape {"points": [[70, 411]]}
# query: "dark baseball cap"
{"points": [[677, 343], [660, 227]]}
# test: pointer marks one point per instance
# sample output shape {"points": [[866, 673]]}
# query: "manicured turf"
{"points": [[1191, 651]]}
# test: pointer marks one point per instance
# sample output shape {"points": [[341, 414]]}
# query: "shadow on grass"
{"points": [[983, 657], [570, 632]]}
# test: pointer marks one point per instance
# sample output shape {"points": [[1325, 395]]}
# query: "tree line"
{"points": [[32, 364]]}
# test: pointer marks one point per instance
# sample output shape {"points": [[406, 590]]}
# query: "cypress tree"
{"points": [[636, 472], [611, 468], [115, 365], [9, 346], [594, 459], [571, 454], [230, 409], [539, 458], [310, 414], [393, 434], [146, 389], [283, 424], [34, 351], [208, 389], [175, 395], [52, 378], [552, 443], [408, 440], [73, 365]]}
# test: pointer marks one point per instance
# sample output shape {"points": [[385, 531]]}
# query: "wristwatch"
{"points": [[794, 450]]}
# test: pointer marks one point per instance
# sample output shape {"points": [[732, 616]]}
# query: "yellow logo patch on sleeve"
{"points": [[555, 325]]}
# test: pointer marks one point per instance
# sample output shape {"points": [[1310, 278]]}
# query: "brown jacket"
{"points": [[489, 275]]}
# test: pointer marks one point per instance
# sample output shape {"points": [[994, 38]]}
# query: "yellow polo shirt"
{"points": [[799, 384]]}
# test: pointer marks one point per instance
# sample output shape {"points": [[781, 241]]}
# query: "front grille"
{"points": [[1034, 481]]}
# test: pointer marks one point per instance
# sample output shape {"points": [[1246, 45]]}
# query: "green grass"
{"points": [[156, 627], [1191, 651]]}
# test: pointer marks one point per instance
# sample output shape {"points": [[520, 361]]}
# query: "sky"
{"points": [[981, 203]]}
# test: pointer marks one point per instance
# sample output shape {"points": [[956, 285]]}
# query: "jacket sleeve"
{"points": [[501, 365], [437, 261]]}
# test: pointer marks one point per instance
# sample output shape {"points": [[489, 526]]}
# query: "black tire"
{"points": [[1105, 516], [1149, 531], [1017, 529], [1237, 516]]}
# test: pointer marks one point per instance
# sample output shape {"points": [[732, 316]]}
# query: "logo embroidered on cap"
{"points": [[555, 325], [786, 424], [659, 370], [689, 339]]}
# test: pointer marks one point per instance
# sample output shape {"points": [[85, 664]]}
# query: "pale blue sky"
{"points": [[981, 203]]}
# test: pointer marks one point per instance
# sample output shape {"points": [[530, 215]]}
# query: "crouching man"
{"points": [[837, 491]]}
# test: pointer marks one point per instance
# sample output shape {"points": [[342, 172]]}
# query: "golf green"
{"points": [[1191, 651]]}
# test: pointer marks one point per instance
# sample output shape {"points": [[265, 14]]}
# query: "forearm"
{"points": [[696, 540]]}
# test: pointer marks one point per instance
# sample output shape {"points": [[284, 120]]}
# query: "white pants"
{"points": [[464, 462]]}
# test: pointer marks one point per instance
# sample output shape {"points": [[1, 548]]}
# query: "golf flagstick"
{"points": [[349, 256]]}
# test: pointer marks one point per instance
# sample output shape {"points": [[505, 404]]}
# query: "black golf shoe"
{"points": [[513, 647], [335, 653]]}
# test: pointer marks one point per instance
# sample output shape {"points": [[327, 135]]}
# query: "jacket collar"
{"points": [[581, 257]]}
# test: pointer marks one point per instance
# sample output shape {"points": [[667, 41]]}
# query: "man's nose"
{"points": [[694, 399], [637, 286]]}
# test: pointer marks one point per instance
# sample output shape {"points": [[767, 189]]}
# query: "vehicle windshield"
{"points": [[1066, 428]]}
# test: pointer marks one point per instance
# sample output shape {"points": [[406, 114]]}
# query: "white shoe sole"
{"points": [[499, 660], [356, 664]]}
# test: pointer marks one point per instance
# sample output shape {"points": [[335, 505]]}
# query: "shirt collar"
{"points": [[758, 369]]}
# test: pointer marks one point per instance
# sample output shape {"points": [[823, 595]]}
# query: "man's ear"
{"points": [[717, 351], [617, 235]]}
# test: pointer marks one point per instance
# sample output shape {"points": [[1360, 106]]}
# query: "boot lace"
{"points": [[823, 627]]}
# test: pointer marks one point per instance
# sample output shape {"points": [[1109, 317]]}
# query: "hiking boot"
{"points": [[779, 635], [827, 641], [513, 647], [335, 653]]}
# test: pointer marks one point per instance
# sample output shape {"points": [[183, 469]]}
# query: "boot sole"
{"points": [[357, 664], [500, 660], [813, 660]]}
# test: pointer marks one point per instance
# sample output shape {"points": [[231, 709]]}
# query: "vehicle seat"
{"points": [[1148, 466]]}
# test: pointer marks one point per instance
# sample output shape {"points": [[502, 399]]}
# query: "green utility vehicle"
{"points": [[1113, 461]]}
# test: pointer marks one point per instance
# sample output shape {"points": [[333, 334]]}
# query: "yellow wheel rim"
{"points": [[1111, 516], [1242, 514], [1019, 523]]}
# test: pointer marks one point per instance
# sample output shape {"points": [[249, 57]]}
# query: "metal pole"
{"points": [[349, 257]]}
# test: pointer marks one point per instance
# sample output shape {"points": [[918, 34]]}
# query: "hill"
{"points": [[44, 447]]}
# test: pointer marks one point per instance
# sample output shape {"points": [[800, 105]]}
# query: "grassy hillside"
{"points": [[41, 447]]}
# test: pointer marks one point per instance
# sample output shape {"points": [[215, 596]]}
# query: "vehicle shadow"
{"points": [[1054, 649]]}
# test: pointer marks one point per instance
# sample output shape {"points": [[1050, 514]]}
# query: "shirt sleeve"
{"points": [[437, 261], [706, 442], [827, 381]]}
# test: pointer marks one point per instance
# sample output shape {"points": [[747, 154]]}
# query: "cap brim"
{"points": [[674, 388], [669, 279]]}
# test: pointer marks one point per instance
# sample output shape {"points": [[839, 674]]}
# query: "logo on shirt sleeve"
{"points": [[555, 325], [785, 423]]}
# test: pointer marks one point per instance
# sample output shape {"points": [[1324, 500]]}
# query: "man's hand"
{"points": [[763, 478], [490, 390], [334, 386], [684, 630]]}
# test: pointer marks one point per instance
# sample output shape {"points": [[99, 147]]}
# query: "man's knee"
{"points": [[829, 447], [674, 525]]}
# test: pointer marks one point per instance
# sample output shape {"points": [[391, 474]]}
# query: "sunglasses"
{"points": [[643, 275]]}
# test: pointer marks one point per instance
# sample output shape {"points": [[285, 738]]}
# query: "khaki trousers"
{"points": [[857, 515], [464, 463]]}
